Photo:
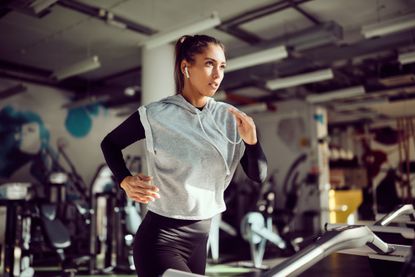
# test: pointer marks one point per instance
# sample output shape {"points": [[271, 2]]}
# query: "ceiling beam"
{"points": [[105, 15], [232, 25], [11, 91], [261, 12], [306, 14], [42, 77], [321, 56]]}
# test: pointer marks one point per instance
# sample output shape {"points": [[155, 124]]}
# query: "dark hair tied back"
{"points": [[186, 48]]}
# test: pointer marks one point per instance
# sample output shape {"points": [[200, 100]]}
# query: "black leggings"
{"points": [[162, 243]]}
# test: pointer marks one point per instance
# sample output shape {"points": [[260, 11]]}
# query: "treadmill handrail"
{"points": [[406, 209], [342, 238], [407, 233]]}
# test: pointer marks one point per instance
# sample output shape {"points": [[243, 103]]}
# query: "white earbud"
{"points": [[186, 72]]}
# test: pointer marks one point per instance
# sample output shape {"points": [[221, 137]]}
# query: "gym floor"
{"points": [[338, 265]]}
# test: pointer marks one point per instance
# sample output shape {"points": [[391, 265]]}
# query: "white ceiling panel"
{"points": [[67, 34], [73, 42], [250, 92], [162, 15], [354, 14], [58, 19], [231, 43], [12, 45], [278, 24]]}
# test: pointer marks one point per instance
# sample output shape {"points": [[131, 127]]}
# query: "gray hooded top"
{"points": [[191, 154]]}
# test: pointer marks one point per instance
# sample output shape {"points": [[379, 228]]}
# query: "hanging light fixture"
{"points": [[77, 68], [301, 79]]}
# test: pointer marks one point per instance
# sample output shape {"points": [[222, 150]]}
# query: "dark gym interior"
{"points": [[330, 85]]}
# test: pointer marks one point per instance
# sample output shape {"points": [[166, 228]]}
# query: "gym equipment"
{"points": [[114, 223], [60, 212], [392, 234], [255, 231], [213, 243], [401, 237], [409, 267], [406, 233], [47, 218], [406, 209], [341, 238], [296, 217], [347, 239], [15, 232], [102, 239], [400, 252], [129, 219]]}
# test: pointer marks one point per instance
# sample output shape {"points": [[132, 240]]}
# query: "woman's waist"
{"points": [[179, 226]]}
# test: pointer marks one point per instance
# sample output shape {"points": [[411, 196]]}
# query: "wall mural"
{"points": [[79, 120], [23, 137], [291, 131]]}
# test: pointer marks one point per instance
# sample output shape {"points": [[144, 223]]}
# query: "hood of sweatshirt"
{"points": [[208, 111], [180, 101]]}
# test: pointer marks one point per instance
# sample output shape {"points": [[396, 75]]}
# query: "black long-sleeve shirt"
{"points": [[131, 130]]}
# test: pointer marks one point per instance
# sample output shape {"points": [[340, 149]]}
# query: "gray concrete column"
{"points": [[157, 80]]}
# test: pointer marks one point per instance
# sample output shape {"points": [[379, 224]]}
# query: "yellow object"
{"points": [[343, 203]]}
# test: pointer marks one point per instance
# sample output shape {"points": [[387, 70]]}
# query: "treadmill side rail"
{"points": [[344, 237]]}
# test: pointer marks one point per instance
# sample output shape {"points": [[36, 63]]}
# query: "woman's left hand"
{"points": [[246, 126]]}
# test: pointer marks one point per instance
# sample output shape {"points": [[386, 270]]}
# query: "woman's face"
{"points": [[206, 73]]}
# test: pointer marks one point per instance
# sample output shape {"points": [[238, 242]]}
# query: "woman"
{"points": [[193, 146]]}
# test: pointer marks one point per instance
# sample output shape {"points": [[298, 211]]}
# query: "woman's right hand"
{"points": [[140, 188]]}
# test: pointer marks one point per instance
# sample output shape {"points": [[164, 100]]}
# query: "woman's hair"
{"points": [[186, 48]]}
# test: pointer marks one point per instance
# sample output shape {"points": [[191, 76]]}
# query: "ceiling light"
{"points": [[32, 7], [315, 36], [390, 26], [8, 92], [77, 68], [336, 95], [39, 6], [252, 92], [131, 91], [301, 79], [111, 21], [361, 104], [405, 58], [117, 24], [312, 37], [259, 57], [254, 108], [189, 28], [398, 80]]}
